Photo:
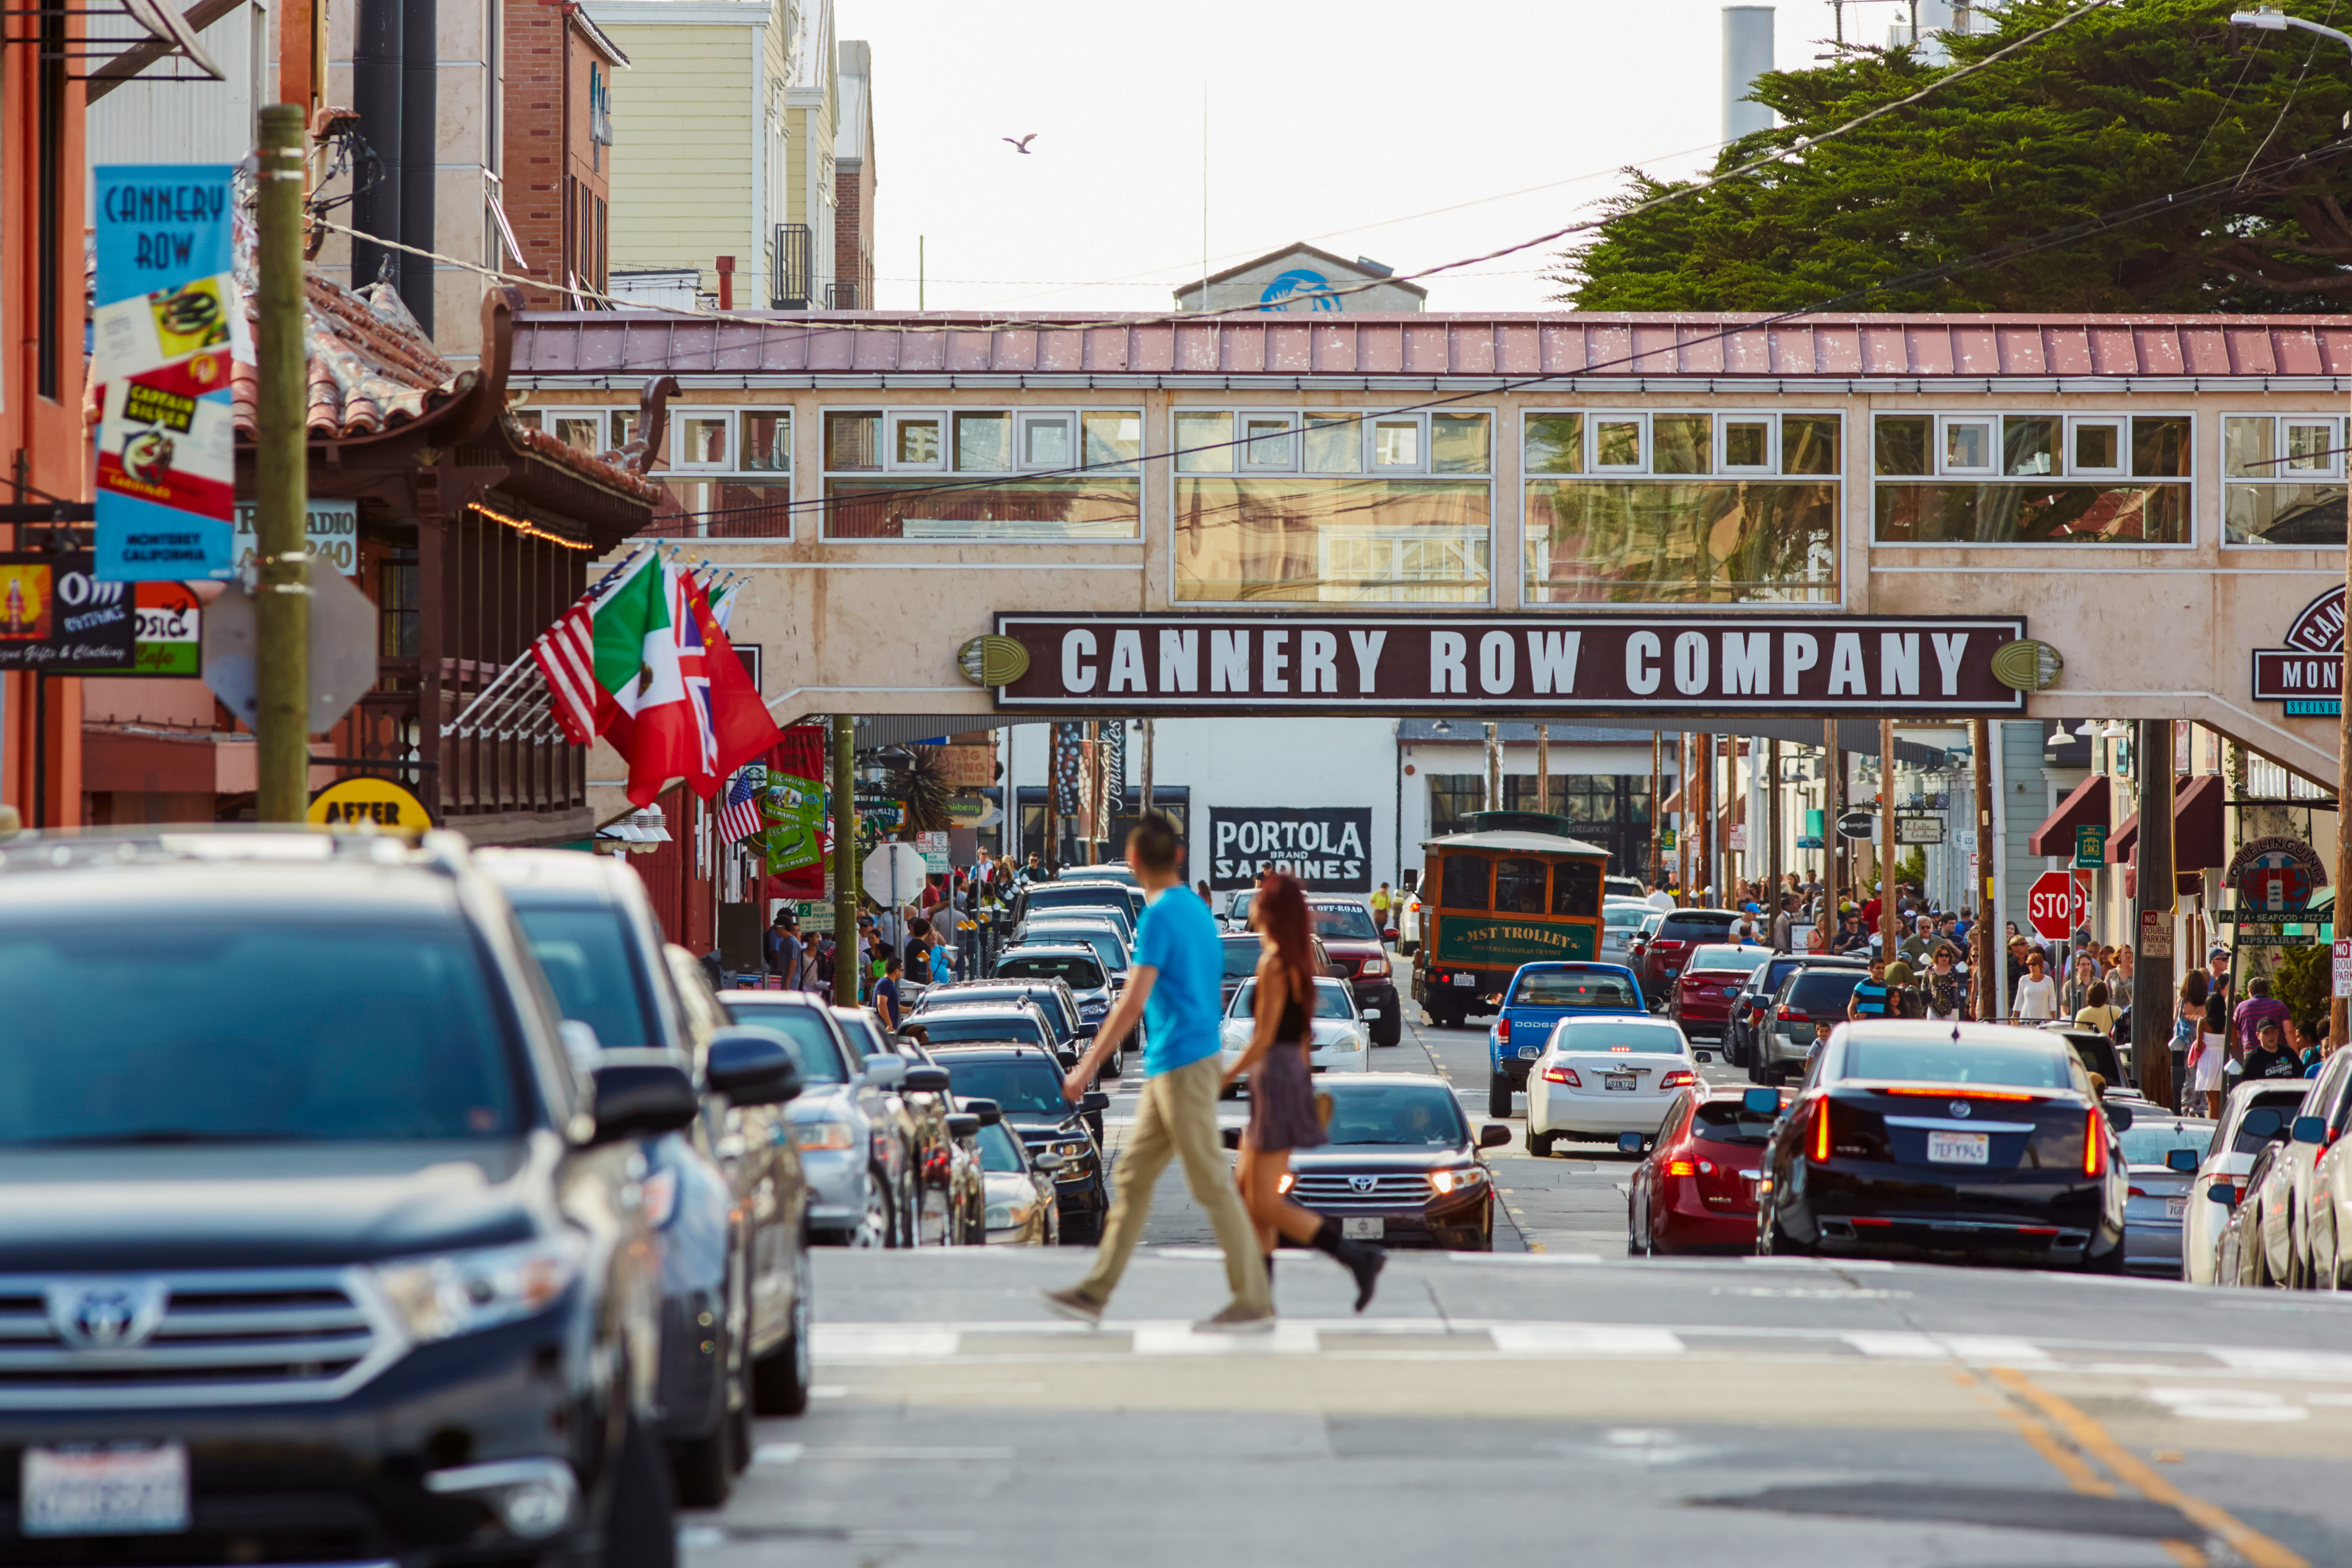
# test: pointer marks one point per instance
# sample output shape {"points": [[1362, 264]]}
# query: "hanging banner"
{"points": [[167, 324], [1069, 752], [57, 618], [794, 836]]}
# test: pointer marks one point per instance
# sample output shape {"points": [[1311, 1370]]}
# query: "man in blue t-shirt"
{"points": [[1873, 998], [1174, 987]]}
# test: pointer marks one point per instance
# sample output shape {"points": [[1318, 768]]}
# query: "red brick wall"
{"points": [[551, 166], [853, 251]]}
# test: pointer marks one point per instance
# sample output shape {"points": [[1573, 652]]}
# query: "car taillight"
{"points": [[1790, 1015], [1503, 1030], [1678, 1081], [2094, 1143], [1681, 1168], [1563, 1075], [1822, 1132], [2137, 1193]]}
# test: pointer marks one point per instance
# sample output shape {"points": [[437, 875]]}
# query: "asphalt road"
{"points": [[1552, 1399]]}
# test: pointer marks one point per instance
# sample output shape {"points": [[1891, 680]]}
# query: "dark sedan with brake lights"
{"points": [[1402, 1165], [1968, 1142], [1713, 975]]}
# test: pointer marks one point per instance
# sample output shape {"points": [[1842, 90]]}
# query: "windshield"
{"points": [[1624, 917], [1330, 1000], [1575, 988], [1616, 1035], [1741, 960], [1693, 928], [2147, 1142], [1076, 971], [260, 1026], [1080, 895], [1728, 1121], [811, 1043], [946, 1028], [1105, 942], [1349, 922], [1413, 1114], [1000, 1152], [1961, 1061], [1028, 1086], [1240, 908], [589, 961], [1240, 958]]}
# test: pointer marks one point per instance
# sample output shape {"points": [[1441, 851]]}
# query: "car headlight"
{"points": [[466, 1292], [1075, 1150], [1457, 1181], [1287, 1179], [1373, 969], [820, 1135], [1000, 1216], [1346, 1043]]}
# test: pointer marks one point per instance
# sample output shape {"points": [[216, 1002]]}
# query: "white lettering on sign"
{"points": [[1641, 650], [1800, 651], [1949, 647], [1180, 661], [1746, 664], [1228, 661], [1551, 659], [1276, 661], [1690, 663], [1899, 664], [1077, 677], [1498, 661], [1448, 651], [1127, 662], [1318, 662], [1845, 666], [1368, 646]]}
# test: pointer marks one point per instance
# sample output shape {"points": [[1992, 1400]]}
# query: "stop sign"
{"points": [[2057, 905]]}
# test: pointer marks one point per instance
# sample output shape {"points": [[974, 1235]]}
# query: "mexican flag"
{"points": [[612, 669]]}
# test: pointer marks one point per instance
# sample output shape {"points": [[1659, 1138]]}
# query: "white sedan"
{"points": [[1342, 1037], [1607, 1078]]}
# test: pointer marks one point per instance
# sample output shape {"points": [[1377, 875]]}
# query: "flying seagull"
{"points": [[1020, 146]]}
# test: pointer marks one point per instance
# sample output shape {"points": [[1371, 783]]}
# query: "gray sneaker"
{"points": [[1236, 1319], [1073, 1303]]}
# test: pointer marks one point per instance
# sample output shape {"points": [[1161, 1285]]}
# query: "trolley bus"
{"points": [[1514, 890]]}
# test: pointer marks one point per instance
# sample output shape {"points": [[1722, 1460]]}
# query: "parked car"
{"points": [[1408, 921], [1243, 949], [1351, 945], [967, 1183], [1542, 996], [862, 1173], [2280, 1220], [1099, 896], [1053, 999], [1695, 1192], [1639, 943], [1620, 921], [1713, 976], [2097, 1053], [302, 1183], [1402, 1166], [923, 1103], [1111, 949], [1018, 1185], [1025, 1083], [1236, 913], [1678, 931], [1965, 1143], [1751, 1010], [1108, 871], [2255, 1116], [1076, 967], [1610, 1079], [1342, 1037], [2162, 1153], [1814, 992], [728, 1194], [1622, 887]]}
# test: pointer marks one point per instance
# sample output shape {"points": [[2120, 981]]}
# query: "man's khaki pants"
{"points": [[1178, 1116]]}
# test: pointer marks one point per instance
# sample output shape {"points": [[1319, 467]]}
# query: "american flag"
{"points": [[739, 817]]}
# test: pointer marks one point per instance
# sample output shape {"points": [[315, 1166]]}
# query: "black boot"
{"points": [[1364, 1262], [1269, 1276]]}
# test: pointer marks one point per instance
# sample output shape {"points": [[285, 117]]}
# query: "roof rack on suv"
{"points": [[46, 850]]}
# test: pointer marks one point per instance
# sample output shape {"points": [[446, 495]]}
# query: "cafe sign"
{"points": [[2307, 675], [1550, 664]]}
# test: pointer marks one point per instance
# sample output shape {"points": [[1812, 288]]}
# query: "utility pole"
{"points": [[846, 975], [1772, 823], [1990, 979], [1543, 767], [1832, 774], [281, 480], [1147, 767], [1703, 773], [1657, 743], [1886, 916], [1494, 769]]}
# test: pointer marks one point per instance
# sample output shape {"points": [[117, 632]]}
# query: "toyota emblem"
{"points": [[1960, 1108], [1363, 1184], [106, 1314]]}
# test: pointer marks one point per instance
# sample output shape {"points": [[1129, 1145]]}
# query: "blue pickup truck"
{"points": [[1539, 997]]}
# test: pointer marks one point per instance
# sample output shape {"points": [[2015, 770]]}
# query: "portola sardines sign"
{"points": [[1328, 848]]}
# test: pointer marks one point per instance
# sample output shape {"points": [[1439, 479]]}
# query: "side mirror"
{"points": [[2264, 1123], [925, 1080], [643, 1101], [2224, 1193], [1371, 1012], [1761, 1102], [580, 1042], [1092, 1101], [1629, 1142], [1048, 1163], [2310, 1130], [2119, 1117], [988, 1111], [963, 1124], [1494, 1135], [2183, 1159], [886, 1071], [1231, 1137], [1388, 933], [752, 1066], [1067, 1058]]}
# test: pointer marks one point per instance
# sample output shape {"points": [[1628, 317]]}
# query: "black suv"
{"points": [[1026, 1085], [315, 1243]]}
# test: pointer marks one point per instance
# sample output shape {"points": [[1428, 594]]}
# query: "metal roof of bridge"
{"points": [[1828, 347]]}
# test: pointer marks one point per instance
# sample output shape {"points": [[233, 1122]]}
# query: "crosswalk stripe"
{"points": [[1584, 1338], [1989, 1349], [1184, 1339]]}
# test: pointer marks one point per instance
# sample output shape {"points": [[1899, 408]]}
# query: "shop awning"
{"points": [[2089, 806], [2198, 839]]}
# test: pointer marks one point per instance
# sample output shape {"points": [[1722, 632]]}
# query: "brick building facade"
{"points": [[853, 180], [558, 147]]}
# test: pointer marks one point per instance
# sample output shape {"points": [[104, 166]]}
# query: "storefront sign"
{"points": [[1566, 663], [1327, 849], [377, 804], [56, 617], [1493, 942], [167, 324], [2309, 671], [333, 528], [791, 812], [1918, 827], [2276, 874], [2091, 845], [965, 767]]}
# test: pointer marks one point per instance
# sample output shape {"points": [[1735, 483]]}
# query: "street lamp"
{"points": [[2272, 21]]}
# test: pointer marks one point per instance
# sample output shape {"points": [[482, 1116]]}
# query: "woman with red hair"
{"points": [[1283, 1116]]}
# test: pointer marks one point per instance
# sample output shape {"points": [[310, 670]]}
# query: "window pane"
{"points": [[1046, 443], [1463, 882], [2098, 446], [2160, 448], [1555, 443], [1458, 445], [1576, 889], [625, 426], [749, 511], [528, 418], [1212, 435], [2084, 514], [1617, 443], [1364, 542], [1967, 444], [1396, 444], [918, 444], [1809, 444], [853, 441], [1902, 444], [767, 442], [1335, 444], [2029, 445], [2310, 448], [984, 443], [905, 507], [1269, 442], [1112, 438], [2246, 449], [703, 440], [1682, 444], [2284, 515], [1518, 886], [1747, 443], [580, 433], [1683, 542], [1452, 798]]}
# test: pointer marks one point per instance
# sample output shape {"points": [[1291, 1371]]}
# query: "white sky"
{"points": [[1334, 124]]}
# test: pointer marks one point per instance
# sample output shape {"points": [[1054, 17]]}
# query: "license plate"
{"points": [[1627, 1082], [1959, 1148], [1464, 982], [105, 1488], [1363, 1229], [2175, 1208]]}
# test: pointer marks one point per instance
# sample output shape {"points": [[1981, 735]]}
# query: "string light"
{"points": [[526, 529]]}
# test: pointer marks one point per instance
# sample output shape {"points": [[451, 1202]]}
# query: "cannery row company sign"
{"points": [[2307, 675], [1559, 664]]}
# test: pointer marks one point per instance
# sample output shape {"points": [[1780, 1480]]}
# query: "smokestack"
{"points": [[1747, 54]]}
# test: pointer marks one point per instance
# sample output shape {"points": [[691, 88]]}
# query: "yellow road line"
{"points": [[2064, 1460], [2257, 1549], [2188, 1556]]}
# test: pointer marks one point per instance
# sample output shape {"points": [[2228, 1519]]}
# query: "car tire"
{"points": [[876, 1224], [1780, 1243], [1499, 1095], [640, 1523], [779, 1380], [1539, 1144], [1388, 1029]]}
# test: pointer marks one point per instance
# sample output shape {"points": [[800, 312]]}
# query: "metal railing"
{"points": [[792, 275]]}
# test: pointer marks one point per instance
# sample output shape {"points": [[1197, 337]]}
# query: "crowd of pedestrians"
{"points": [[931, 939]]}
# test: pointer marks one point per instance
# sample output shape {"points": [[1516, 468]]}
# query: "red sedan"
{"points": [[1695, 1192], [1713, 975]]}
